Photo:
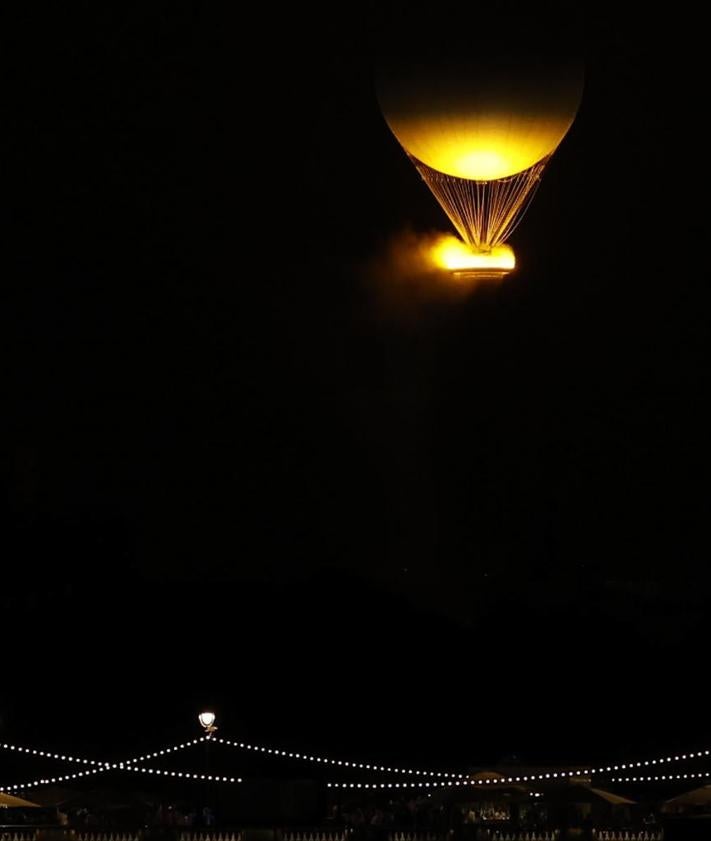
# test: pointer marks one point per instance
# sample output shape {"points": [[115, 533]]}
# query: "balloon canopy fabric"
{"points": [[482, 122]]}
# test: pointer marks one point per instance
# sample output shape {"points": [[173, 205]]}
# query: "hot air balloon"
{"points": [[480, 125]]}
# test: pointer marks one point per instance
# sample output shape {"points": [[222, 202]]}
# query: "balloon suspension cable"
{"points": [[485, 213]]}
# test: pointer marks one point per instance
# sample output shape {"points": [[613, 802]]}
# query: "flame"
{"points": [[451, 253]]}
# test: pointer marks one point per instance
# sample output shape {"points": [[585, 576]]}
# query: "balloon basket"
{"points": [[469, 275]]}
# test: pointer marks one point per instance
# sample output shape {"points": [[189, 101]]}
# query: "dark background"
{"points": [[406, 526]]}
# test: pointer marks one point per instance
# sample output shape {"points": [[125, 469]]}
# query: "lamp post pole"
{"points": [[207, 721]]}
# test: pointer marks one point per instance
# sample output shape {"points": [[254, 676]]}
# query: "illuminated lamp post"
{"points": [[207, 722]]}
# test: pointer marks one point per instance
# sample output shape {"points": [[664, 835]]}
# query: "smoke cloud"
{"points": [[408, 280]]}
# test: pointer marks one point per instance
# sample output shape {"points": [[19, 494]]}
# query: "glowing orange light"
{"points": [[451, 253], [477, 146]]}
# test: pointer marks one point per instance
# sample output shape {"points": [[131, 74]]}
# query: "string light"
{"points": [[505, 780], [185, 775], [123, 766], [343, 763], [659, 777], [51, 780], [682, 757], [447, 778], [498, 780], [49, 755], [525, 778], [102, 767], [556, 774], [701, 775], [45, 754], [415, 784]]}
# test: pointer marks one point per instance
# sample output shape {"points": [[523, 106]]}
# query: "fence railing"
{"points": [[22, 835], [63, 834], [628, 835], [54, 833], [196, 835], [78, 835], [526, 835], [416, 836], [328, 835]]}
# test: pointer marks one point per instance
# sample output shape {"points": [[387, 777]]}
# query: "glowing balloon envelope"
{"points": [[480, 132]]}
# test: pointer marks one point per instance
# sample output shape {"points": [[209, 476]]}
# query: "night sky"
{"points": [[247, 467]]}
